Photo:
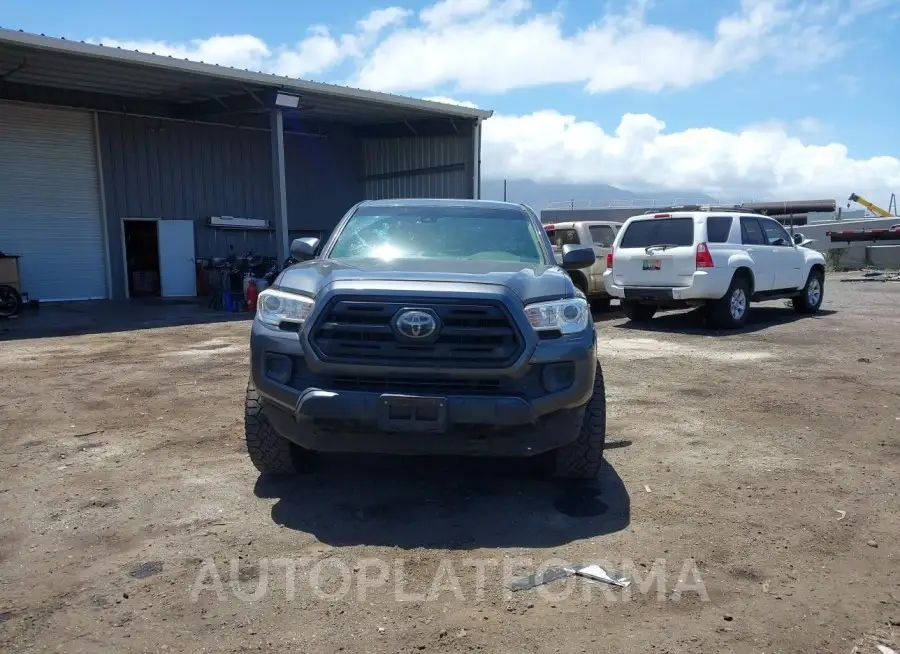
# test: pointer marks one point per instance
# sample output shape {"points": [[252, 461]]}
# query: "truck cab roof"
{"points": [[441, 202]]}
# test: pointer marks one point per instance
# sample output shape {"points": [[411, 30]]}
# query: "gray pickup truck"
{"points": [[427, 327], [596, 234]]}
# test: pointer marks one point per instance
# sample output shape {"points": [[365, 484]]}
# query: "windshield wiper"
{"points": [[660, 245]]}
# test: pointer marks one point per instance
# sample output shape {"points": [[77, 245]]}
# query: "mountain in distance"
{"points": [[542, 195]]}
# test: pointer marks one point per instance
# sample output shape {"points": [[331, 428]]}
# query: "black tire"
{"points": [[10, 301], [579, 282], [723, 313], [637, 312], [600, 304], [270, 453], [583, 457], [803, 303]]}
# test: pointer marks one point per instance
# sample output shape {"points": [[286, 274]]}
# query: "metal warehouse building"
{"points": [[108, 157]]}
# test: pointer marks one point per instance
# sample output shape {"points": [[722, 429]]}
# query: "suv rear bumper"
{"points": [[705, 285], [516, 416]]}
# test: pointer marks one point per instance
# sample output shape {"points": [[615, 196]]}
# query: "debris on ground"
{"points": [[875, 276], [591, 571]]}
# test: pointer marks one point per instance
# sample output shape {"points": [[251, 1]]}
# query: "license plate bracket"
{"points": [[652, 264], [412, 413]]}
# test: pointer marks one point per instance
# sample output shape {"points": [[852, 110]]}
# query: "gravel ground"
{"points": [[751, 493]]}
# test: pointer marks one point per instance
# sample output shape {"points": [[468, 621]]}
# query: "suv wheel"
{"points": [[637, 312], [810, 298], [269, 452], [582, 458], [730, 311]]}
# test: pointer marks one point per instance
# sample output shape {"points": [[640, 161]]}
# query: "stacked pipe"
{"points": [[794, 207]]}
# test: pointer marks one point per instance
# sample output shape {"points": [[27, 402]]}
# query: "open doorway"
{"points": [[142, 258]]}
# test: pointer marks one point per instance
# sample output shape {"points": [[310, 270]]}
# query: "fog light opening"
{"points": [[278, 367], [558, 377]]}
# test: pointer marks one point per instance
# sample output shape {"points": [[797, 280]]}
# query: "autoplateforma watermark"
{"points": [[333, 579]]}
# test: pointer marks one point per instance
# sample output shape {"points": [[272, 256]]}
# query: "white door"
{"points": [[788, 259], [177, 270], [765, 259], [50, 210]]}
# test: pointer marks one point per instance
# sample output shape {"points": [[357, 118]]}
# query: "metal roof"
{"points": [[42, 61]]}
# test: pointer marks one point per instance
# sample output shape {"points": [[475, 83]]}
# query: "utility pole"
{"points": [[504, 190]]}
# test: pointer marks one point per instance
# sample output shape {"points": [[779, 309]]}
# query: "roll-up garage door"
{"points": [[50, 208]]}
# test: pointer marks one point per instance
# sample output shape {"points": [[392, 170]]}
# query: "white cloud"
{"points": [[237, 50], [763, 160], [317, 53], [492, 46]]}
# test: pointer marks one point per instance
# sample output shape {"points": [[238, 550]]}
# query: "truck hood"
{"points": [[530, 282]]}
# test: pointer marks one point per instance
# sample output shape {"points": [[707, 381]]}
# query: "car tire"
{"points": [[810, 299], [583, 457], [730, 311], [637, 312], [270, 453]]}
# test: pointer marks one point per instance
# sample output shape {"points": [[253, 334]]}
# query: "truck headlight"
{"points": [[567, 316], [276, 307]]}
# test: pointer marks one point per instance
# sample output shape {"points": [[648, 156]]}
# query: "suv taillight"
{"points": [[609, 259], [704, 258]]}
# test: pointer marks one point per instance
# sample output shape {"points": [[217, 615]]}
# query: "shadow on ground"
{"points": [[759, 317], [105, 316], [613, 312], [444, 503]]}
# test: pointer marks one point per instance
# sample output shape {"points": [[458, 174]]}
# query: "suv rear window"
{"points": [[718, 228], [658, 231], [561, 237]]}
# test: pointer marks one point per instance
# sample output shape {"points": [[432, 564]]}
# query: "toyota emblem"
{"points": [[416, 324]]}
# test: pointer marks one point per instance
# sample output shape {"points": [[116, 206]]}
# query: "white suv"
{"points": [[721, 259]]}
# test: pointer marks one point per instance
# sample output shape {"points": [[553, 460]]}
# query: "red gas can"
{"points": [[251, 295]]}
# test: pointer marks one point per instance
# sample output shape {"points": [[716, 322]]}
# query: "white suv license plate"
{"points": [[652, 264]]}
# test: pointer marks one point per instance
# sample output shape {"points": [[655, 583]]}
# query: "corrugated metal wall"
{"points": [[418, 167], [175, 170]]}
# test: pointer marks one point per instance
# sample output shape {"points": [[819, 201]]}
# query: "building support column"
{"points": [[282, 247], [476, 172]]}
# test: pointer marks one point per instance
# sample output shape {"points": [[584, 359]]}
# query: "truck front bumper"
{"points": [[535, 408]]}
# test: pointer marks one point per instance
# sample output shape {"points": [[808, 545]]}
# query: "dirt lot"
{"points": [[763, 466]]}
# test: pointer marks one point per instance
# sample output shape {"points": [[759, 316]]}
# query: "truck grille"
{"points": [[472, 335], [416, 385]]}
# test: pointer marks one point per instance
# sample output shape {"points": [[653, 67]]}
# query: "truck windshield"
{"points": [[422, 232]]}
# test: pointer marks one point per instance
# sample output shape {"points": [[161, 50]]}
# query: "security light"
{"points": [[287, 101]]}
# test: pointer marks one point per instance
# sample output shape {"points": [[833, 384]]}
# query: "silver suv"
{"points": [[598, 234]]}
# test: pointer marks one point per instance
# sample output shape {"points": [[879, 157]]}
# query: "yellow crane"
{"points": [[874, 208]]}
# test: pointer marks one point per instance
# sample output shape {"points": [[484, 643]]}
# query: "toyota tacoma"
{"points": [[443, 327]]}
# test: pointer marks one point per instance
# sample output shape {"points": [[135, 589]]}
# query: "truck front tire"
{"points": [[270, 453], [583, 457]]}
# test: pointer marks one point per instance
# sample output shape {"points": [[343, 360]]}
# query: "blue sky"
{"points": [[818, 72]]}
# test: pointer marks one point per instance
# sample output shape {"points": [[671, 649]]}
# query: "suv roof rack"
{"points": [[737, 208]]}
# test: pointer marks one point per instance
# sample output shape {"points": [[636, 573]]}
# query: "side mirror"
{"points": [[798, 239], [303, 249], [576, 257]]}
